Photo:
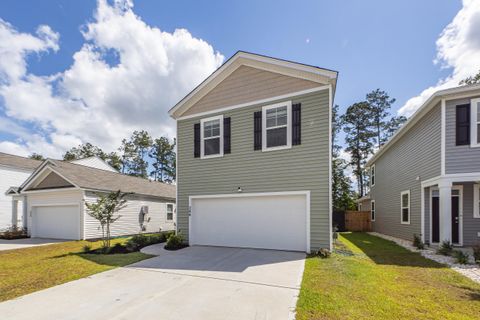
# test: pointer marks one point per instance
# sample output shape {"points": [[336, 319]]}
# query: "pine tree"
{"points": [[470, 80], [87, 150], [379, 104], [36, 156], [134, 154], [163, 155]]}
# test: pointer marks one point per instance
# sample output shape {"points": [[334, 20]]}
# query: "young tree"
{"points": [[105, 211], [342, 197], [357, 124], [163, 155], [471, 80], [379, 103], [36, 156]]}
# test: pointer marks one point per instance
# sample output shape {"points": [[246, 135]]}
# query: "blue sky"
{"points": [[373, 44]]}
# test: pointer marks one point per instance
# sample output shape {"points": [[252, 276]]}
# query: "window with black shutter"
{"points": [[462, 129], [196, 139], [257, 130], [226, 135], [296, 124]]}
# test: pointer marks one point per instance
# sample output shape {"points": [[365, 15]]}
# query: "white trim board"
{"points": [[255, 102], [256, 194]]}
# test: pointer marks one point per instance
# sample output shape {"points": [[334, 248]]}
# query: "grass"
{"points": [[27, 270], [369, 277]]}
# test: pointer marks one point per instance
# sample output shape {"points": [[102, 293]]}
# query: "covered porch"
{"points": [[19, 208], [450, 210]]}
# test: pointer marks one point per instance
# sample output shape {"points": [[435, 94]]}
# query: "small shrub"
{"points": [[86, 248], [476, 253], [118, 248], [139, 241], [14, 233], [445, 249], [322, 253], [460, 256], [417, 242], [175, 242]]}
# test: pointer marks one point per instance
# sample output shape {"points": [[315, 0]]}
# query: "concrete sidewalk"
{"points": [[193, 283]]}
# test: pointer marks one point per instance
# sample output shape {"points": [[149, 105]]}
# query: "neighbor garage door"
{"points": [[250, 221], [56, 222]]}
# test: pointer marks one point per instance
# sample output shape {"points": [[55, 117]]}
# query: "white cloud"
{"points": [[95, 100], [458, 48]]}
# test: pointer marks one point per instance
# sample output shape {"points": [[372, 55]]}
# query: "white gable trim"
{"points": [[34, 177], [251, 103], [289, 68]]}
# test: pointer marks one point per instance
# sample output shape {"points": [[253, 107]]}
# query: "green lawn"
{"points": [[371, 278], [27, 270]]}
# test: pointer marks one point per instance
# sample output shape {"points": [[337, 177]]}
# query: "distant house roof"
{"points": [[10, 160], [365, 197], [101, 180], [95, 162]]}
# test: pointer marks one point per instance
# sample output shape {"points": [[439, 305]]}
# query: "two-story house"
{"points": [[253, 157], [426, 179]]}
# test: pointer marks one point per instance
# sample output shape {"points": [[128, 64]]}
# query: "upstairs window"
{"points": [[169, 211], [372, 175], [277, 126], [475, 123], [211, 137], [405, 204], [462, 128]]}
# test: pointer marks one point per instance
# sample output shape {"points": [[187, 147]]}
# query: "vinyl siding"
{"points": [[129, 222], [458, 159], [9, 177], [416, 154], [366, 205], [471, 225], [247, 84], [303, 167]]}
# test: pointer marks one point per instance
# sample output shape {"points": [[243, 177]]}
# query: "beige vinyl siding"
{"points": [[53, 180], [416, 154], [304, 167], [129, 222], [248, 84], [458, 159]]}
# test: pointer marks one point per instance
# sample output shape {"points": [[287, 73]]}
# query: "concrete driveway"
{"points": [[193, 283], [26, 243]]}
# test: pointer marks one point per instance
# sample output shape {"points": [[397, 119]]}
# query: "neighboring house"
{"points": [[364, 203], [95, 162], [253, 157], [426, 179], [14, 170], [57, 191]]}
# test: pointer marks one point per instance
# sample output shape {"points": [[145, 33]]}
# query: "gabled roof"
{"points": [[452, 93], [242, 58], [95, 162], [101, 180], [10, 160]]}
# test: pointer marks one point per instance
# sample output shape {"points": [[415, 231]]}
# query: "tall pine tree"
{"points": [[163, 155]]}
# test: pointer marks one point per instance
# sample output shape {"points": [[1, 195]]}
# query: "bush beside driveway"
{"points": [[371, 278], [27, 270]]}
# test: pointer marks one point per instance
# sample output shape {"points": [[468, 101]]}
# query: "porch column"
{"points": [[445, 193], [14, 212], [24, 212]]}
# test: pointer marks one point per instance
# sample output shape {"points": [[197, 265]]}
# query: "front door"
{"points": [[455, 216]]}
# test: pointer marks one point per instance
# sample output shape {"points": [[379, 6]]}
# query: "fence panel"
{"points": [[358, 221]]}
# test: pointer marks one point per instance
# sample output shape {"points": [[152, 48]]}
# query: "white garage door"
{"points": [[258, 221], [56, 222]]}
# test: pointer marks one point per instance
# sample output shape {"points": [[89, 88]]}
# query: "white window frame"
{"points": [[202, 139], [476, 201], [373, 172], [173, 211], [373, 209], [288, 104], [402, 207], [474, 122]]}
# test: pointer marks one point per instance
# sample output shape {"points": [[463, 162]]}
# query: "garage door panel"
{"points": [[56, 222], [269, 222]]}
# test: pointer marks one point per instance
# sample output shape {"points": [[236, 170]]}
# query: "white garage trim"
{"points": [[258, 194], [65, 204]]}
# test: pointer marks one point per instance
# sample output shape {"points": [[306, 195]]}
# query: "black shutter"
{"points": [[226, 135], [257, 130], [296, 124], [462, 129], [196, 139]]}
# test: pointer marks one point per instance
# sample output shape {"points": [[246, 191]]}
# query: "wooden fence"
{"points": [[358, 221]]}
